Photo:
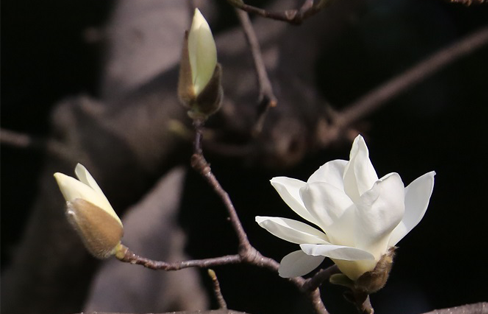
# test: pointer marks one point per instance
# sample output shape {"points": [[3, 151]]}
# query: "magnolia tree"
{"points": [[359, 217], [346, 214]]}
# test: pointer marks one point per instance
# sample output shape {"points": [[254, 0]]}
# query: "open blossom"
{"points": [[90, 213], [359, 216]]}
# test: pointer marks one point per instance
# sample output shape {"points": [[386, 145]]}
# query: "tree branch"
{"points": [[128, 256], [267, 98], [384, 93], [20, 140], [468, 2], [476, 308], [319, 277], [246, 253], [220, 311], [294, 16]]}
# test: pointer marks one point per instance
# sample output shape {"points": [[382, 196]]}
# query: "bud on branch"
{"points": [[199, 84], [90, 213]]}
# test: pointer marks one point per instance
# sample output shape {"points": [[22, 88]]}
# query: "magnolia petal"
{"points": [[84, 176], [354, 269], [325, 202], [73, 189], [298, 264], [289, 190], [340, 231], [380, 210], [331, 172], [202, 52], [291, 230], [86, 189], [359, 174], [417, 197], [339, 252]]}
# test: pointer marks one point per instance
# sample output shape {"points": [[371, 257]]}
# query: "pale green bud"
{"points": [[199, 87], [202, 52]]}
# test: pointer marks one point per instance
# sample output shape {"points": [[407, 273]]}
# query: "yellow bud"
{"points": [[90, 213]]}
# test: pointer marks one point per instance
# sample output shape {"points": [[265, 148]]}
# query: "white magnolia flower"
{"points": [[90, 213], [360, 216], [202, 52]]}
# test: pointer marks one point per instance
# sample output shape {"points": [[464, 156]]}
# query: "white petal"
{"points": [[380, 210], [359, 174], [84, 176], [325, 202], [291, 230], [337, 252], [298, 264], [73, 189], [331, 172], [202, 52], [354, 269], [341, 232], [417, 197], [289, 190]]}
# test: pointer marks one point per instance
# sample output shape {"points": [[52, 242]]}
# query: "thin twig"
{"points": [[247, 252], [321, 276], [468, 2], [30, 142], [294, 16], [199, 163], [19, 140], [266, 98], [250, 256], [127, 256], [382, 94], [217, 291]]}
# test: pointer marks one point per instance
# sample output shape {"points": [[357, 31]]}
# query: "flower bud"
{"points": [[199, 83], [374, 280], [90, 213], [370, 281]]}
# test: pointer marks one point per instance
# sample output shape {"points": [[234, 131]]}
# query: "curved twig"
{"points": [[267, 98]]}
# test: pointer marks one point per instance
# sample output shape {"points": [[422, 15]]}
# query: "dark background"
{"points": [[438, 125]]}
